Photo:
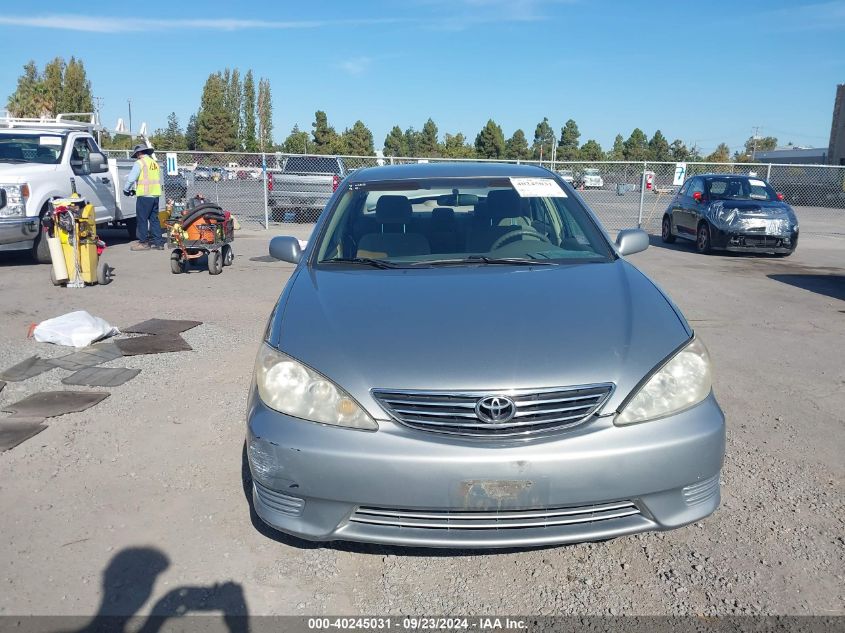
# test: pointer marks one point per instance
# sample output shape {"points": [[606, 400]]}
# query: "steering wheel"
{"points": [[518, 233]]}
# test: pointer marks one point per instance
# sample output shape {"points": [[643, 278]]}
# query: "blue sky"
{"points": [[704, 72]]}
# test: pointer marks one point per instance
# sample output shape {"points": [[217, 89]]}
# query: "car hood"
{"points": [[22, 172], [490, 328], [769, 217]]}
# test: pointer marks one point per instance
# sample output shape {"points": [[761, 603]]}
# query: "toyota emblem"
{"points": [[495, 409]]}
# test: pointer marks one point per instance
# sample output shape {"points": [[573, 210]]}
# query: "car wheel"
{"points": [[666, 231], [702, 239], [40, 249]]}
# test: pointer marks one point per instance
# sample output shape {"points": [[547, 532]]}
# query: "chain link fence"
{"points": [[279, 188]]}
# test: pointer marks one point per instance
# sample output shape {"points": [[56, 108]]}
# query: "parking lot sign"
{"points": [[172, 164], [680, 173]]}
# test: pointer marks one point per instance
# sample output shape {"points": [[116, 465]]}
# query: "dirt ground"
{"points": [[139, 503]]}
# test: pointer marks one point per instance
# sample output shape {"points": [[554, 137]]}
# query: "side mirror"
{"points": [[630, 241], [80, 166], [286, 249], [697, 196], [97, 163]]}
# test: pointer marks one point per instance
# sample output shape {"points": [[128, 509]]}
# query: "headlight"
{"points": [[16, 196], [683, 381], [290, 387]]}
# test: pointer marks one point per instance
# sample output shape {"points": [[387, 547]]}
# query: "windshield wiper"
{"points": [[483, 259], [368, 261]]}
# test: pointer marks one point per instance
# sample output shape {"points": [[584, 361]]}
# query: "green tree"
{"points": [[215, 128], [658, 147], [29, 98], [636, 147], [326, 140], [171, 138], [191, 132], [248, 116], [394, 143], [516, 147], [428, 143], [678, 151], [118, 141], [76, 89], [296, 142], [358, 141], [412, 142], [233, 96], [591, 150], [618, 151], [53, 80], [544, 138], [760, 144], [570, 136], [722, 154], [490, 142], [456, 146], [264, 110]]}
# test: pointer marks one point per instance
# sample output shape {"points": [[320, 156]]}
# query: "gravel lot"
{"points": [[138, 504]]}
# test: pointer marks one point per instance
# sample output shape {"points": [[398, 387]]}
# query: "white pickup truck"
{"points": [[38, 158]]}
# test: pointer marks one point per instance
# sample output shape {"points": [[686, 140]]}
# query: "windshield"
{"points": [[728, 188], [31, 148], [461, 221]]}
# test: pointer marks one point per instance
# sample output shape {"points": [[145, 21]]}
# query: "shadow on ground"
{"points": [[128, 583], [828, 285]]}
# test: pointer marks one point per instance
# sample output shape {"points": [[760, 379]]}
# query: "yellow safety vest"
{"points": [[149, 182]]}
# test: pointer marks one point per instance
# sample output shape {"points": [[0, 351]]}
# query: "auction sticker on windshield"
{"points": [[756, 183], [537, 188]]}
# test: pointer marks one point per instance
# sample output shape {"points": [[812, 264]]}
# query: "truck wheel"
{"points": [[40, 250], [132, 227]]}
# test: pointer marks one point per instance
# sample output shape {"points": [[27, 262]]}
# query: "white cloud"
{"points": [[99, 24], [355, 65]]}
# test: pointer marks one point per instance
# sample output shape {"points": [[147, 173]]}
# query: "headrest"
{"points": [[393, 210], [442, 216], [503, 203]]}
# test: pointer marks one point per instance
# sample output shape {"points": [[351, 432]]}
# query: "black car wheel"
{"points": [[666, 231], [702, 239]]}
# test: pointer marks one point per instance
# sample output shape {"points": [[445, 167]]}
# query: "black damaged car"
{"points": [[731, 212]]}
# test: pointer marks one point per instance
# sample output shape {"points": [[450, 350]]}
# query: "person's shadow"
{"points": [[128, 583]]}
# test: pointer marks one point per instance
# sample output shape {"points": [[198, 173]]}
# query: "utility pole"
{"points": [[755, 135], [98, 104], [129, 101]]}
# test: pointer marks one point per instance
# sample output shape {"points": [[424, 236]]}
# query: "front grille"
{"points": [[494, 520], [454, 413]]}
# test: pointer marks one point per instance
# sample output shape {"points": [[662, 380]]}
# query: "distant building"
{"points": [[836, 150], [794, 155]]}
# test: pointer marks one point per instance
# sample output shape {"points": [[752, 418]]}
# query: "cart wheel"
{"points": [[215, 263], [177, 266], [55, 281], [103, 273], [228, 255]]}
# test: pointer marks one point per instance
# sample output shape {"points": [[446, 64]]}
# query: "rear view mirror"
{"points": [[630, 241], [697, 196], [460, 200], [286, 249]]}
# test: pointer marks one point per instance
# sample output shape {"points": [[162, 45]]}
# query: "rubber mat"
{"points": [[88, 356], [28, 368], [101, 376], [13, 433], [49, 404], [162, 326], [153, 344]]}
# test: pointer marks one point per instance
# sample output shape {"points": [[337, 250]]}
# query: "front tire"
{"points": [[703, 242], [41, 250], [666, 231]]}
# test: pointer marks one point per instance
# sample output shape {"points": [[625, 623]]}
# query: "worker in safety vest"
{"points": [[145, 180]]}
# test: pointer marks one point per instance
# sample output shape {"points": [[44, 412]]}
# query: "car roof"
{"points": [[726, 176], [419, 171]]}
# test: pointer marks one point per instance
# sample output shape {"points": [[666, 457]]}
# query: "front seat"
{"points": [[503, 213], [393, 214]]}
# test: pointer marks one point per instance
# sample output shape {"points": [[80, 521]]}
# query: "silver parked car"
{"points": [[463, 358]]}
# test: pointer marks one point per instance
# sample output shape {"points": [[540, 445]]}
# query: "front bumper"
{"points": [[17, 233], [405, 487], [753, 242]]}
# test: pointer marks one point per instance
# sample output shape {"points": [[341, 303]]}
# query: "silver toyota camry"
{"points": [[463, 358]]}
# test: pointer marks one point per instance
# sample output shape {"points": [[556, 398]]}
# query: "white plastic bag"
{"points": [[75, 329]]}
